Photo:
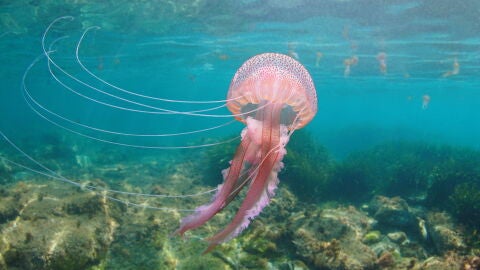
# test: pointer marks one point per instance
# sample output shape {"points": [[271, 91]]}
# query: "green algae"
{"points": [[372, 237], [308, 167], [413, 169], [466, 203], [215, 159]]}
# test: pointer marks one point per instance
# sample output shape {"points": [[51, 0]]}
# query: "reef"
{"points": [[332, 239], [47, 224], [45, 227]]}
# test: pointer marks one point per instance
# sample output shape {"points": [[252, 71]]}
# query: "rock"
{"points": [[385, 246], [471, 263], [397, 237], [422, 228], [392, 212], [386, 260], [41, 235], [413, 249], [446, 239], [8, 209], [437, 263], [332, 239], [293, 265], [443, 233]]}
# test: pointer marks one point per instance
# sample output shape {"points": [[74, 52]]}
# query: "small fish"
{"points": [[422, 228]]}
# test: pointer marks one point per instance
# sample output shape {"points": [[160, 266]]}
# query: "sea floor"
{"points": [[48, 224]]}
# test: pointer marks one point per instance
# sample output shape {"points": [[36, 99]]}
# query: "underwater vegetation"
{"points": [[308, 167], [393, 169], [458, 166], [417, 170], [213, 160], [466, 203]]}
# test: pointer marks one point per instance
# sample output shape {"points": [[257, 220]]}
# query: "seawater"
{"points": [[191, 50]]}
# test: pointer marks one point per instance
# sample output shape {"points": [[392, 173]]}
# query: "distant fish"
{"points": [[422, 228]]}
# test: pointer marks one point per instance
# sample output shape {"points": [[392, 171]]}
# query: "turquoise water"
{"points": [[190, 51], [421, 39]]}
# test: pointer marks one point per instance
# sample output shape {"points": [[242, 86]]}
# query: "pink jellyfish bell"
{"points": [[273, 95]]}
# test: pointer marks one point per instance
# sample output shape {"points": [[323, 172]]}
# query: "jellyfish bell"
{"points": [[279, 97], [273, 79]]}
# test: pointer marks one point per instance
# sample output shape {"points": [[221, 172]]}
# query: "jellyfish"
{"points": [[282, 94], [455, 69], [382, 62], [348, 63], [318, 57], [425, 101], [291, 50]]}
